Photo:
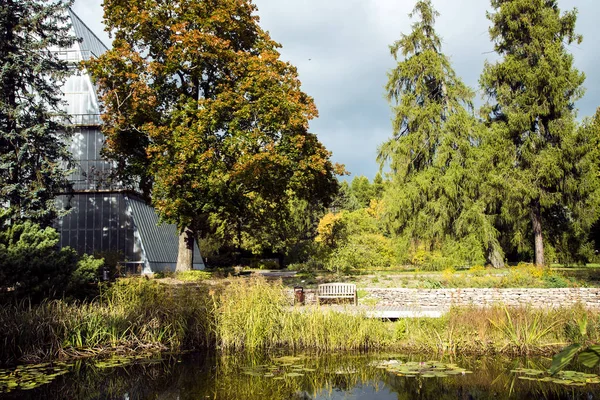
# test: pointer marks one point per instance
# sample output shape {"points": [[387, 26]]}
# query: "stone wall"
{"points": [[443, 298]]}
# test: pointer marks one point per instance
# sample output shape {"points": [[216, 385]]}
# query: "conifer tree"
{"points": [[532, 90], [33, 148], [433, 195]]}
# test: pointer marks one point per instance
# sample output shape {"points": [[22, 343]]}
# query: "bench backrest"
{"points": [[333, 289]]}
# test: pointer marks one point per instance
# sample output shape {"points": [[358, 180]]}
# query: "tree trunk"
{"points": [[536, 220], [495, 257], [185, 256]]}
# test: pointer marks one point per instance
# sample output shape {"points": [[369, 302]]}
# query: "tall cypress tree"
{"points": [[533, 88], [32, 139], [433, 195]]}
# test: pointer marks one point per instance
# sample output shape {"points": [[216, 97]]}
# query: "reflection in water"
{"points": [[304, 377]]}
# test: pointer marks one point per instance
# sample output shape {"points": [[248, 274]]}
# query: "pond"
{"points": [[378, 377]]}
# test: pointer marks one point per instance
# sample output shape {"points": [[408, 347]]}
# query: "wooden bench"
{"points": [[337, 291]]}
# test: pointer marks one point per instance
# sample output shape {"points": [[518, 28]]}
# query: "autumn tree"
{"points": [[201, 110], [33, 150], [433, 196], [532, 91]]}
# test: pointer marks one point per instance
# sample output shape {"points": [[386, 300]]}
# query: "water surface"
{"points": [[304, 377]]}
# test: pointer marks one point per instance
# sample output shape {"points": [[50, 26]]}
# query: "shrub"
{"points": [[363, 251], [477, 270], [554, 280], [32, 263], [87, 271]]}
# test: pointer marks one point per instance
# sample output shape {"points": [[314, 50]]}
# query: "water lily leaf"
{"points": [[563, 381], [534, 372]]}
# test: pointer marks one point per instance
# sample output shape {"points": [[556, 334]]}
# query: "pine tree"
{"points": [[33, 148], [433, 195], [532, 89]]}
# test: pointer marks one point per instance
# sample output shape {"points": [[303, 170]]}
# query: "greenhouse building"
{"points": [[104, 218]]}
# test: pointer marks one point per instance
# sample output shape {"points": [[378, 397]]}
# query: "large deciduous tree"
{"points": [[199, 108], [33, 149], [433, 196], [532, 90]]}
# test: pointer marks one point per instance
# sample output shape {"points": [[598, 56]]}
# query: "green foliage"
{"points": [[87, 271], [31, 262], [448, 254], [477, 270], [352, 240], [193, 276], [362, 251], [523, 334], [290, 234], [590, 357], [545, 165], [33, 137], [562, 359], [345, 199], [434, 197], [33, 265], [200, 109], [364, 191]]}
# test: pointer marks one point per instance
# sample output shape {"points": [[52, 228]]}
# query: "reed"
{"points": [[130, 316], [254, 314]]}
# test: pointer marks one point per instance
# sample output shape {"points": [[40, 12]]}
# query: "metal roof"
{"points": [[160, 241], [90, 45]]}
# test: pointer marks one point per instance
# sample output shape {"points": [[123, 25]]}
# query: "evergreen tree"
{"points": [[363, 190], [344, 199], [433, 195], [533, 88], [32, 138]]}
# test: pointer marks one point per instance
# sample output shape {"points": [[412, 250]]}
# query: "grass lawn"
{"points": [[524, 275]]}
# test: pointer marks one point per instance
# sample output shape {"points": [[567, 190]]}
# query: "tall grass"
{"points": [[254, 314], [132, 315]]}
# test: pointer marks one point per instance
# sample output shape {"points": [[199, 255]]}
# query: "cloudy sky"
{"points": [[341, 50]]}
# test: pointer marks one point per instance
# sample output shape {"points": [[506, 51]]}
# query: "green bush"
{"points": [[363, 251], [31, 262], [33, 265], [87, 271], [447, 254]]}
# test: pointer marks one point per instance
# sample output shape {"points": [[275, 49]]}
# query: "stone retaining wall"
{"points": [[443, 298]]}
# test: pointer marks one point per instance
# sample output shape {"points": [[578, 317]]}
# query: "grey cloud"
{"points": [[347, 44]]}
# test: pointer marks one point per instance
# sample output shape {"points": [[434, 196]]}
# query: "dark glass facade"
{"points": [[102, 217]]}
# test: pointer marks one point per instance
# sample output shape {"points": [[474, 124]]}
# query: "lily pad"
{"points": [[27, 377], [427, 369], [566, 378]]}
